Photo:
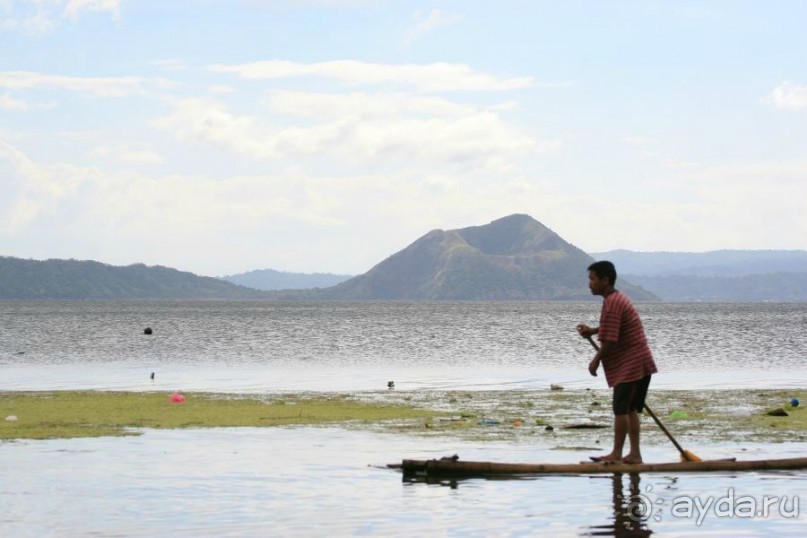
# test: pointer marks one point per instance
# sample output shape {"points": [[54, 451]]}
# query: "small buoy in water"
{"points": [[518, 422], [177, 398], [390, 384], [11, 418], [794, 402], [147, 330], [152, 375]]}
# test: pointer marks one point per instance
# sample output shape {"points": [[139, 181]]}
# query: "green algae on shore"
{"points": [[67, 414], [560, 418]]}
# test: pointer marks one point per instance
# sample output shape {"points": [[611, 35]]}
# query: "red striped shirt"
{"points": [[631, 360]]}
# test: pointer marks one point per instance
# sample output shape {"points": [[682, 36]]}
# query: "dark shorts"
{"points": [[630, 396]]}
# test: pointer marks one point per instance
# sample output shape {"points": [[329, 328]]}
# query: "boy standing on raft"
{"points": [[625, 357]]}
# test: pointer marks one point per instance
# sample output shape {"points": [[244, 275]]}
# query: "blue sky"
{"points": [[323, 136]]}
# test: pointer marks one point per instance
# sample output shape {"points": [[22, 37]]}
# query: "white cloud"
{"points": [[678, 164], [424, 23], [754, 205], [360, 129], [37, 19], [125, 154], [170, 64], [42, 16], [322, 105], [428, 77], [789, 96], [220, 89], [97, 86], [75, 8], [745, 206], [116, 217], [7, 102], [30, 189]]}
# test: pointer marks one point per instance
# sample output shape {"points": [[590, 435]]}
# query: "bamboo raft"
{"points": [[452, 468]]}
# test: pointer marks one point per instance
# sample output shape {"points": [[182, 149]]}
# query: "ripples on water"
{"points": [[344, 346]]}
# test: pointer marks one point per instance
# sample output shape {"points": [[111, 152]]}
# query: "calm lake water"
{"points": [[307, 481]]}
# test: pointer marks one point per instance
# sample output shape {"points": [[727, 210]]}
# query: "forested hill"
{"points": [[72, 279]]}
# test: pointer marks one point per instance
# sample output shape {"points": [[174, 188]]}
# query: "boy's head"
{"points": [[603, 270]]}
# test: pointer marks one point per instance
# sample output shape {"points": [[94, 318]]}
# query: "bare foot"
{"points": [[608, 458], [631, 460]]}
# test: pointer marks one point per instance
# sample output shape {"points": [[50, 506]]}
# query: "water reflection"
{"points": [[631, 511]]}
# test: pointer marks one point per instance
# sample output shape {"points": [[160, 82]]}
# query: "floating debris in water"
{"points": [[147, 330], [11, 418], [555, 387], [779, 412]]}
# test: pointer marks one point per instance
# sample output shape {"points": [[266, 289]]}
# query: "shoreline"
{"points": [[569, 418]]}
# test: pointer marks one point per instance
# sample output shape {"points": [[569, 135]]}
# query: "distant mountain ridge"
{"points": [[512, 258], [270, 279], [712, 263], [720, 275], [73, 279]]}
